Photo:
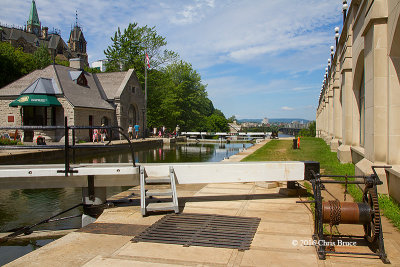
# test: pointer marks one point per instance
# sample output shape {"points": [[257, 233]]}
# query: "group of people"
{"points": [[99, 134], [163, 132], [135, 128], [133, 131]]}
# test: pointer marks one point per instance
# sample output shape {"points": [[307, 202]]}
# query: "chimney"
{"points": [[44, 32], [77, 63]]}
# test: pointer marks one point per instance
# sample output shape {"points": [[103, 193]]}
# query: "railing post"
{"points": [[66, 142], [73, 146]]}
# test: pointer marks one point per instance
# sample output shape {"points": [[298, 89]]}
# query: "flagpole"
{"points": [[145, 80], [145, 87]]}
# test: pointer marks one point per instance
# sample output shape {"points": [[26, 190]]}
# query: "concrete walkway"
{"points": [[283, 228]]}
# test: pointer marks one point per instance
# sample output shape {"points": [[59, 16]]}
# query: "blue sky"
{"points": [[259, 58]]}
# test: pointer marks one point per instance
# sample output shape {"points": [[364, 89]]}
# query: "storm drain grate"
{"points": [[208, 230]]}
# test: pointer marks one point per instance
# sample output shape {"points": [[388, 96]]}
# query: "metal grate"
{"points": [[208, 230]]}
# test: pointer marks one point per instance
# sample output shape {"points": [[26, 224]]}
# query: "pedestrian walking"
{"points": [[137, 127], [130, 132]]}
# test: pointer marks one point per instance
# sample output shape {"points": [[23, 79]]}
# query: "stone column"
{"points": [[344, 153], [376, 101], [337, 119], [326, 116], [330, 118], [321, 118], [394, 111], [376, 92]]}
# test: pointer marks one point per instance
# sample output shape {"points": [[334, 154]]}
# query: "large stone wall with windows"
{"points": [[132, 97], [365, 69]]}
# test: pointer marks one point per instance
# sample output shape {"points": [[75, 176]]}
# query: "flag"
{"points": [[147, 60]]}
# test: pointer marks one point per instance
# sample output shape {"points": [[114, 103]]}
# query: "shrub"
{"points": [[8, 142]]}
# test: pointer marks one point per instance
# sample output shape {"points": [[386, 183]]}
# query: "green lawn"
{"points": [[315, 149]]}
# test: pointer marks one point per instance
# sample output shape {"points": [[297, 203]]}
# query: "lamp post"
{"points": [[337, 36], [332, 53], [345, 7], [329, 65]]}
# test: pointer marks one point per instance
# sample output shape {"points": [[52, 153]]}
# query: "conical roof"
{"points": [[33, 15]]}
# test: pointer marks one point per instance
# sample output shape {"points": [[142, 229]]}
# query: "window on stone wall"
{"points": [[133, 89], [51, 116], [132, 115], [362, 111], [105, 121]]}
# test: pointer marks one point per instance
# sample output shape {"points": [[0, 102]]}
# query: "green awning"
{"points": [[35, 100]]}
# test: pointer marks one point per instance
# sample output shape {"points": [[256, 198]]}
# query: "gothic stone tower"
{"points": [[77, 44], [33, 23]]}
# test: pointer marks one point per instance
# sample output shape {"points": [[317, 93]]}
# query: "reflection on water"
{"points": [[28, 206]]}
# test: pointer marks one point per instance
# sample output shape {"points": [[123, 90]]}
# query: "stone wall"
{"points": [[81, 118], [131, 97], [367, 58], [7, 114]]}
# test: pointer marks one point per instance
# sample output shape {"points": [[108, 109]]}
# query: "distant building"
{"points": [[100, 65], [234, 127], [265, 121], [34, 35]]}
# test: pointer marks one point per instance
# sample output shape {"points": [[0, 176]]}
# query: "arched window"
{"points": [[362, 111], [132, 115], [105, 121]]}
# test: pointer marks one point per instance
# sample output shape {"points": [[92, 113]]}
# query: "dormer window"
{"points": [[78, 77], [82, 80]]}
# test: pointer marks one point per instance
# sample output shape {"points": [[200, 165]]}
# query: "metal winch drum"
{"points": [[335, 212]]}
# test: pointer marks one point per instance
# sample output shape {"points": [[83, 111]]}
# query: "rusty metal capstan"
{"points": [[335, 212]]}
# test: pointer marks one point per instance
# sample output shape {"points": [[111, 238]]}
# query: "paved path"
{"points": [[284, 226]]}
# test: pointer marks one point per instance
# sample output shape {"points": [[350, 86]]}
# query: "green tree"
{"points": [[176, 95], [217, 122], [14, 63], [42, 57], [232, 118], [189, 96], [312, 129], [128, 49]]}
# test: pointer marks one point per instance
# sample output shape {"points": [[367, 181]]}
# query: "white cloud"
{"points": [[257, 36], [287, 108], [193, 12]]}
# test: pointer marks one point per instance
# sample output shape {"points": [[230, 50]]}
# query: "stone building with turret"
{"points": [[33, 35]]}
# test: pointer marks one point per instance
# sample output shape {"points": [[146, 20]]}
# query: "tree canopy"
{"points": [[176, 94], [128, 48], [14, 63]]}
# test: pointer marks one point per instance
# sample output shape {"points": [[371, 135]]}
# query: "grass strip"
{"points": [[315, 149]]}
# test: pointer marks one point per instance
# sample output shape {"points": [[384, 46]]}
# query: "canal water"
{"points": [[26, 207]]}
